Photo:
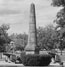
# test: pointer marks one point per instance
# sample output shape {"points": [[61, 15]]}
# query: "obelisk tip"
{"points": [[32, 4]]}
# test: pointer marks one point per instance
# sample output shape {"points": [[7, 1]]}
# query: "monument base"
{"points": [[29, 52]]}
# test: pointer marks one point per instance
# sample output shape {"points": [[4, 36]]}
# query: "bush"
{"points": [[36, 60]]}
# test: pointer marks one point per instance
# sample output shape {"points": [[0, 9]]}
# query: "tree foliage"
{"points": [[4, 38], [58, 2], [60, 21], [20, 40], [47, 37]]}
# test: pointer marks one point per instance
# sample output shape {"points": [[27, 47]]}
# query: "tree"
{"points": [[20, 40], [47, 37], [58, 3], [60, 17], [4, 38], [24, 38], [60, 21]]}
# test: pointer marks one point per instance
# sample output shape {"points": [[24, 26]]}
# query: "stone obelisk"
{"points": [[32, 37]]}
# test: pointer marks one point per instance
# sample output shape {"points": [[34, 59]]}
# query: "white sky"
{"points": [[16, 13]]}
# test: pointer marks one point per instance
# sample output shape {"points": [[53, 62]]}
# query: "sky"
{"points": [[16, 13]]}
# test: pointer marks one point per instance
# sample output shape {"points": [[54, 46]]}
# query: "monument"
{"points": [[32, 37]]}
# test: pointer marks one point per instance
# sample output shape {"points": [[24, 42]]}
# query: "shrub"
{"points": [[36, 60]]}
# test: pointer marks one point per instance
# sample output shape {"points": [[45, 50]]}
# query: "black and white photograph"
{"points": [[32, 33]]}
